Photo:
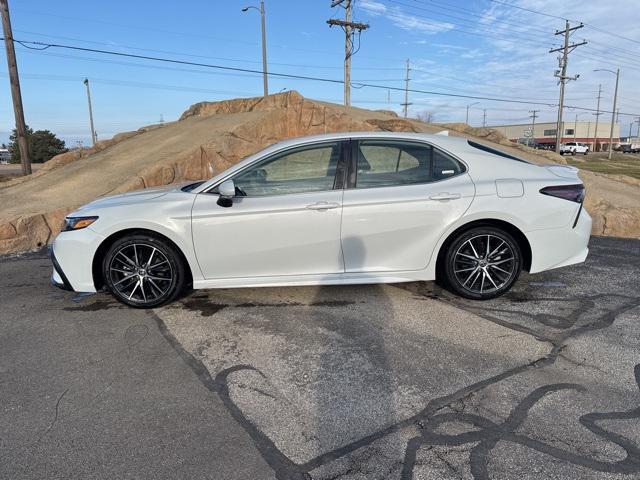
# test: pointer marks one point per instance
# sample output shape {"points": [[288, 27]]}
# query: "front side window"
{"points": [[388, 163], [310, 168]]}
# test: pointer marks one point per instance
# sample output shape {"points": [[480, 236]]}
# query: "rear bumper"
{"points": [[560, 247]]}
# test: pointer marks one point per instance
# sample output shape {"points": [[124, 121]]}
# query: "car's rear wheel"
{"points": [[482, 263], [143, 271]]}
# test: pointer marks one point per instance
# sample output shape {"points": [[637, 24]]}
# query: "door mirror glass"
{"points": [[226, 190]]}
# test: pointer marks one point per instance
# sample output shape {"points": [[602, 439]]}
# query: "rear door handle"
{"points": [[323, 206], [445, 196]]}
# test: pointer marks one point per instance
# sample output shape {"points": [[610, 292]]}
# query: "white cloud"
{"points": [[403, 20]]}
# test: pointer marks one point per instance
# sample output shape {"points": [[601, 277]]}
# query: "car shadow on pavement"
{"points": [[556, 319]]}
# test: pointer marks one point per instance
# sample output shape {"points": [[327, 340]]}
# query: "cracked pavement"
{"points": [[379, 381]]}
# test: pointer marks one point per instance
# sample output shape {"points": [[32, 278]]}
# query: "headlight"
{"points": [[76, 223]]}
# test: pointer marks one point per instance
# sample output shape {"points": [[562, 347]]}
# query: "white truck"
{"points": [[573, 148]]}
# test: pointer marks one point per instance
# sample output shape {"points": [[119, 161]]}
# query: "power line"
{"points": [[530, 10], [457, 17], [537, 12], [292, 76]]}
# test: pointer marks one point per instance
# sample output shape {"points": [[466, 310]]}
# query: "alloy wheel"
{"points": [[484, 264], [141, 273]]}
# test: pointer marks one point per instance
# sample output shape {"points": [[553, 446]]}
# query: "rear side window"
{"points": [[392, 163], [500, 153]]}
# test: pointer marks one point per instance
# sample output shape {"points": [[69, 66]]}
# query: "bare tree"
{"points": [[426, 116]]}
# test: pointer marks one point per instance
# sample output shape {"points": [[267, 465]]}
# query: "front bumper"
{"points": [[58, 278], [72, 256]]}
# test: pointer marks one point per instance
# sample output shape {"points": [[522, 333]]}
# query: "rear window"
{"points": [[493, 151]]}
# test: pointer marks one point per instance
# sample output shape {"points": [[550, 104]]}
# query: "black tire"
{"points": [[152, 262], [459, 264]]}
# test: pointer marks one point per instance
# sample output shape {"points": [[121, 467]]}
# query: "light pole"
{"points": [[469, 106], [264, 45], [613, 110]]}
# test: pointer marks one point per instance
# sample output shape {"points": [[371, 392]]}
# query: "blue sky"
{"points": [[473, 47]]}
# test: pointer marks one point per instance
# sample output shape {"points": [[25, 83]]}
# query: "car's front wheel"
{"points": [[143, 271], [482, 263]]}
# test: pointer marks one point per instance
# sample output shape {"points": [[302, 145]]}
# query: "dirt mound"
{"points": [[210, 137]]}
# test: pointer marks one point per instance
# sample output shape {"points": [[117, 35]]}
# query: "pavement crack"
{"points": [[55, 417], [448, 464]]}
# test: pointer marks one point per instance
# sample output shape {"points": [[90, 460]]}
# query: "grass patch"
{"points": [[619, 165]]}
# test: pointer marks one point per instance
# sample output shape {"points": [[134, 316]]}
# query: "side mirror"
{"points": [[226, 192]]}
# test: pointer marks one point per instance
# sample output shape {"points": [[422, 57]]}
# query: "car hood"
{"points": [[130, 198]]}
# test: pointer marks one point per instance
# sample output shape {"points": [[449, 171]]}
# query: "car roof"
{"points": [[439, 139]]}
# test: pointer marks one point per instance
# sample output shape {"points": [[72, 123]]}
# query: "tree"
{"points": [[426, 116], [43, 145]]}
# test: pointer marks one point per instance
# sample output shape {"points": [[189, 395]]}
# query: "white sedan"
{"points": [[334, 209]]}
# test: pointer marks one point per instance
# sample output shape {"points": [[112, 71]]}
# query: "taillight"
{"points": [[574, 193]]}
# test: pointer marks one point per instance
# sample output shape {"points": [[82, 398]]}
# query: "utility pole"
{"points": [[575, 126], [597, 114], [14, 80], [265, 80], [406, 90], [562, 72], [94, 137], [613, 113], [484, 117], [264, 46], [469, 106], [533, 116], [349, 27]]}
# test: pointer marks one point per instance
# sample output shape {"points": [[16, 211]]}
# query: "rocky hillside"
{"points": [[211, 136]]}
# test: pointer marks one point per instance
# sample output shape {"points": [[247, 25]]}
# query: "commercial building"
{"points": [[5, 156], [544, 134]]}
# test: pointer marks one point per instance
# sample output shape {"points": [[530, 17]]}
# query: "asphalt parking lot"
{"points": [[376, 382]]}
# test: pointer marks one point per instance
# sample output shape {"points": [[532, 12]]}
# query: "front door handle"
{"points": [[323, 206], [445, 196]]}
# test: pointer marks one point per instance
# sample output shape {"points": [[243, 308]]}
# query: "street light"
{"points": [[613, 110], [264, 45], [468, 106]]}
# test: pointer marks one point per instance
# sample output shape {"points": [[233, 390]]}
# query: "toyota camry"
{"points": [[336, 209]]}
